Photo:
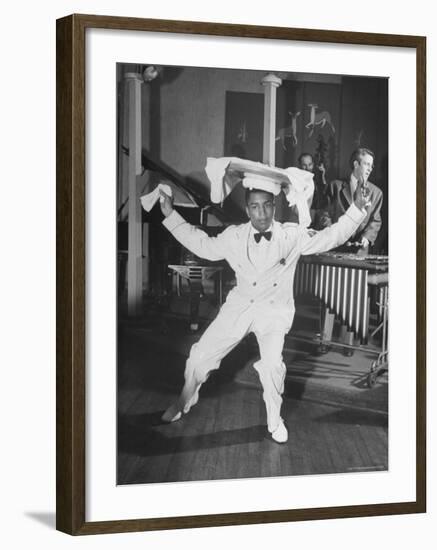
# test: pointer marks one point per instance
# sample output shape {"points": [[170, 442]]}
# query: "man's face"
{"points": [[363, 167], [260, 209], [306, 163]]}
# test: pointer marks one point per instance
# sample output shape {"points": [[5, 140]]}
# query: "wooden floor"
{"points": [[225, 435]]}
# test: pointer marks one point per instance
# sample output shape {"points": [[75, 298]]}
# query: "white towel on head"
{"points": [[222, 182], [148, 201], [297, 184], [300, 192]]}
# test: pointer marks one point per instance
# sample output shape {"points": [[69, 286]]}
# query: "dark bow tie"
{"points": [[266, 234]]}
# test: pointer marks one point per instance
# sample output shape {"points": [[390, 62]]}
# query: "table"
{"points": [[195, 274]]}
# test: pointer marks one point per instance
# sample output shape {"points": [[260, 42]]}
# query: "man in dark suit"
{"points": [[342, 191]]}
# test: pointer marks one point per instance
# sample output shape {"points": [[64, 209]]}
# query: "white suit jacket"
{"points": [[266, 292]]}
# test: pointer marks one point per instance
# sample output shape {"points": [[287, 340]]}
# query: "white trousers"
{"points": [[220, 338]]}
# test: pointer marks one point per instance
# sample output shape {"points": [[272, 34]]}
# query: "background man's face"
{"points": [[363, 167], [260, 209], [306, 163]]}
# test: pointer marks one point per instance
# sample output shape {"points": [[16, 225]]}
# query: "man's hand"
{"points": [[364, 247], [324, 219], [166, 203], [361, 195], [322, 171], [364, 242]]}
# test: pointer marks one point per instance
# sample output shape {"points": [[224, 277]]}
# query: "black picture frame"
{"points": [[71, 274]]}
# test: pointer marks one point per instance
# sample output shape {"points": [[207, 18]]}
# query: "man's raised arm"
{"points": [[196, 240], [339, 232]]}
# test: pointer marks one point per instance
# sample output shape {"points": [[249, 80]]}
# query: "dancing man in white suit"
{"points": [[263, 253]]}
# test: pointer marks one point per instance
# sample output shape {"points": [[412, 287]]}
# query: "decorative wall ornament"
{"points": [[319, 119], [242, 134], [289, 131], [358, 139]]}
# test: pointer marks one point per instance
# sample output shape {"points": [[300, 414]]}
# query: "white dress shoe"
{"points": [[172, 414], [280, 435], [192, 401]]}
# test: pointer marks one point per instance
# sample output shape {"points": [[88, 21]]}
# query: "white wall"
{"points": [[27, 298]]}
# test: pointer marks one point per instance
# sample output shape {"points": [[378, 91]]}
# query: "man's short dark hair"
{"points": [[248, 192], [358, 153], [299, 160]]}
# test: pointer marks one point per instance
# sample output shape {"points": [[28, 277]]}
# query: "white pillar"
{"points": [[134, 262], [270, 83]]}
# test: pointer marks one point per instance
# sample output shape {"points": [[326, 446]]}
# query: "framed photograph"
{"points": [[240, 274]]}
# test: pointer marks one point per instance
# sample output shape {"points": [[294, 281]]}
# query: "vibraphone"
{"points": [[342, 281]]}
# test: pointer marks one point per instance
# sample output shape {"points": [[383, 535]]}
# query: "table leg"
{"points": [[347, 337], [327, 323], [218, 285], [195, 292]]}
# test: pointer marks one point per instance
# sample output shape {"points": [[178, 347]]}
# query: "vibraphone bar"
{"points": [[341, 282]]}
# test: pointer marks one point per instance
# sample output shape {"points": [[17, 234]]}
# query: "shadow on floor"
{"points": [[355, 417], [145, 435]]}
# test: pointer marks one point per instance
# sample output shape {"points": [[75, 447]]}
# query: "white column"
{"points": [[134, 263], [270, 83]]}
